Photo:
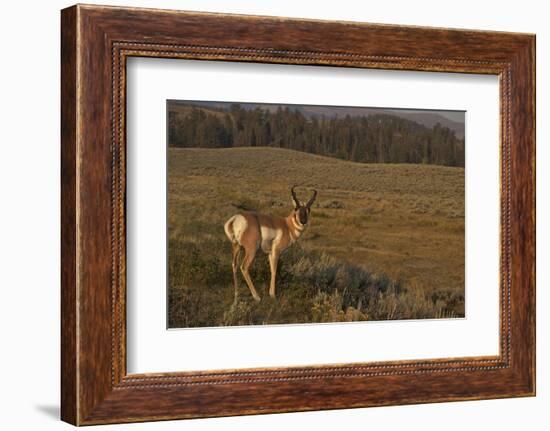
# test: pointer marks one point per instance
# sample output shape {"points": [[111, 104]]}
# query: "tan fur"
{"points": [[253, 231]]}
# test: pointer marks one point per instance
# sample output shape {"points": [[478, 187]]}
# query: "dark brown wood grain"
{"points": [[68, 217], [96, 41]]}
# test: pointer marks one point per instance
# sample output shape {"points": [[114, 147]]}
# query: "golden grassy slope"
{"points": [[403, 221]]}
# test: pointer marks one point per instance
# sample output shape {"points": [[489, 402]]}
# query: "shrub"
{"points": [[311, 287]]}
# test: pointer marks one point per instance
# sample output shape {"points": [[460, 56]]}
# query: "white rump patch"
{"points": [[239, 226]]}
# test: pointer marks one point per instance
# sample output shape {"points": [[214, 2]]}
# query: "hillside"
{"points": [[402, 221], [185, 109], [366, 135], [427, 118]]}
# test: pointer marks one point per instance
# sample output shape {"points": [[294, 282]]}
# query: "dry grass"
{"points": [[403, 223]]}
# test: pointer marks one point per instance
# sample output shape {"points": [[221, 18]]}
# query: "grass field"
{"points": [[385, 241]]}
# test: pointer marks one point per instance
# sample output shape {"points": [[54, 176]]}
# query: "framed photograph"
{"points": [[264, 215]]}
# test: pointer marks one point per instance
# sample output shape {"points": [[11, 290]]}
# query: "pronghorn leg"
{"points": [[273, 260], [245, 265], [235, 265]]}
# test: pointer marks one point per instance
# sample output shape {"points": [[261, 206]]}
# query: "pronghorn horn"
{"points": [[294, 197], [310, 202]]}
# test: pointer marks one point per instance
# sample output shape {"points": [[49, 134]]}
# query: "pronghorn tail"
{"points": [[228, 227]]}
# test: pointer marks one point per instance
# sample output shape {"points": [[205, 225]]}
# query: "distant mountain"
{"points": [[426, 118], [430, 119]]}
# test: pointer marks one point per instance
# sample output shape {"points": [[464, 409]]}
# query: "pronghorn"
{"points": [[273, 234]]}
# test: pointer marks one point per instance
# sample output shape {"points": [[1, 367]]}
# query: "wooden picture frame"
{"points": [[95, 43]]}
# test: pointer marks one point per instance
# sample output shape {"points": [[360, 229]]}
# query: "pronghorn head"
{"points": [[301, 211]]}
